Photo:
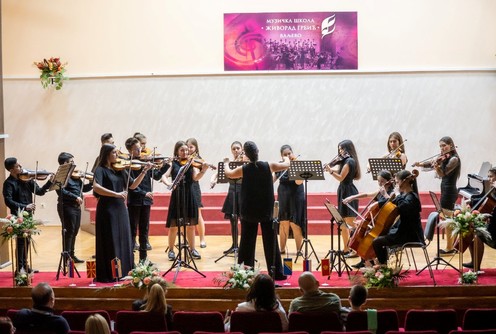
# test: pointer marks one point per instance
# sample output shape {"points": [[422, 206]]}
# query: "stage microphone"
{"points": [[275, 213]]}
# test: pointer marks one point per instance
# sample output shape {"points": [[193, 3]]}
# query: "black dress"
{"points": [[182, 201], [449, 192], [234, 190], [291, 197], [113, 233], [347, 188]]}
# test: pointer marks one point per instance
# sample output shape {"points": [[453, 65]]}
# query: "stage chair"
{"points": [[169, 332], [132, 321], [190, 322], [387, 320], [479, 318], [202, 332], [77, 319], [412, 332], [348, 332], [255, 322], [83, 332], [315, 322], [11, 313], [300, 332], [430, 227], [474, 331], [442, 321]]}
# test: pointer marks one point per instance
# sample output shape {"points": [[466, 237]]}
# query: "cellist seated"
{"points": [[486, 206], [408, 228], [379, 197]]}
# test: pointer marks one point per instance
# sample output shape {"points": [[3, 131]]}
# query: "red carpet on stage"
{"points": [[189, 278]]}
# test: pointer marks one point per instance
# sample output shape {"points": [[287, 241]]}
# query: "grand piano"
{"points": [[478, 184]]}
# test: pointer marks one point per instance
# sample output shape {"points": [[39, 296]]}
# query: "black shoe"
{"points": [[280, 277], [148, 246], [195, 255], [359, 265], [76, 260], [230, 250], [171, 255], [469, 265], [447, 252]]}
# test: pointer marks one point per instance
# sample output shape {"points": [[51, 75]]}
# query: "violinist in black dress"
{"points": [[18, 195], [257, 202], [408, 228], [113, 234], [70, 199]]}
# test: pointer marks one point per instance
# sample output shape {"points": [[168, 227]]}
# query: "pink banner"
{"points": [[290, 41]]}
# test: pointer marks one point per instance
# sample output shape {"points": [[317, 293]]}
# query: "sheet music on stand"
{"points": [[62, 176], [306, 170], [221, 175], [378, 164]]}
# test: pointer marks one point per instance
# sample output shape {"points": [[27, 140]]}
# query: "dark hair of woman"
{"points": [[449, 141], [251, 151], [194, 142], [263, 293], [385, 174], [399, 138], [286, 147], [347, 146], [103, 158], [178, 145], [236, 143]]}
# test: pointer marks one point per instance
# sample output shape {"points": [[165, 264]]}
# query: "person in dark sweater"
{"points": [[257, 202], [41, 318]]}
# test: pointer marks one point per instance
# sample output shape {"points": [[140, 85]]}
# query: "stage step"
{"points": [[215, 224]]}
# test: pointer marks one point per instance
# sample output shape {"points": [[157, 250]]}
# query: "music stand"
{"points": [[222, 178], [447, 214], [306, 170], [378, 164], [184, 256], [336, 257], [59, 182]]}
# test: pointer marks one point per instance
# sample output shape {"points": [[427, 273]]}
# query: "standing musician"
{"points": [[257, 202], [491, 226], [106, 138], [70, 199], [386, 187], [447, 166], [408, 228], [140, 200], [188, 206], [18, 195], [291, 197], [193, 148], [230, 211], [113, 235], [348, 170], [396, 148]]}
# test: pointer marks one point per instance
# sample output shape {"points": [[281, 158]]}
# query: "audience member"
{"points": [[358, 297], [313, 299], [96, 324], [142, 304], [261, 297], [41, 317], [6, 326]]}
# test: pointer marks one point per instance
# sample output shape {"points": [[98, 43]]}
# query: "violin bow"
{"points": [[284, 171], [83, 178]]}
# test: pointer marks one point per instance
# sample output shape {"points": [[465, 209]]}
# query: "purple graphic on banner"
{"points": [[290, 41]]}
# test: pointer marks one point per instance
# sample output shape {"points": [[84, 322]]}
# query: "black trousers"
{"points": [[248, 242], [139, 218], [22, 252], [70, 216]]}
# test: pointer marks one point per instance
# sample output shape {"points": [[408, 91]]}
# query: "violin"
{"points": [[435, 158], [337, 159], [79, 174], [196, 162], [134, 164], [396, 153], [29, 174]]}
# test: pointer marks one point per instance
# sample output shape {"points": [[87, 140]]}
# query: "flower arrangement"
{"points": [[142, 274], [23, 278], [468, 277], [239, 277], [21, 226], [380, 276], [52, 72], [466, 220]]}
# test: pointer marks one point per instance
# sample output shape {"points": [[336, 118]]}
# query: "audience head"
{"points": [[308, 283], [263, 293], [96, 324], [251, 151], [156, 300], [43, 295], [358, 296], [6, 325]]}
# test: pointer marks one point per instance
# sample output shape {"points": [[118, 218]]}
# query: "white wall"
{"points": [[312, 112]]}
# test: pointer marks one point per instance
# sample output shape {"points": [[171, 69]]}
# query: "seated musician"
{"points": [[408, 228], [491, 226], [385, 181]]}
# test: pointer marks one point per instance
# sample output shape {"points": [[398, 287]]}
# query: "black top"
{"points": [[72, 191], [136, 197], [40, 319], [257, 192], [409, 227], [18, 194]]}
